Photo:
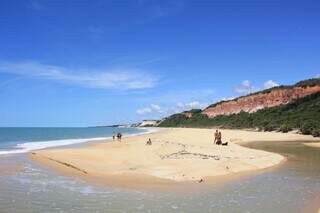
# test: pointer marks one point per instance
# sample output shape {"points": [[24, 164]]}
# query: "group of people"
{"points": [[218, 138], [119, 136]]}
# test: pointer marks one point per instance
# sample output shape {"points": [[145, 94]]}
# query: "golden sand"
{"points": [[176, 155]]}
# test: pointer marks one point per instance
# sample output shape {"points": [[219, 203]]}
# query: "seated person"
{"points": [[149, 142]]}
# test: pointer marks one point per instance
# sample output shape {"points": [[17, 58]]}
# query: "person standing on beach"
{"points": [[119, 136], [216, 135], [219, 139]]}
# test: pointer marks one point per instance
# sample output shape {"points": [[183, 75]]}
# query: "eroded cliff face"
{"points": [[260, 101]]}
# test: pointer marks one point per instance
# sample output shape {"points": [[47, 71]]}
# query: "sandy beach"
{"points": [[176, 156]]}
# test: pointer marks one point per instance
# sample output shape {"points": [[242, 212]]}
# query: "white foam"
{"points": [[30, 146]]}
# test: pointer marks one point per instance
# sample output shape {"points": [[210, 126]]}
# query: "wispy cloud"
{"points": [[105, 79], [159, 9], [317, 75], [144, 111], [245, 88], [269, 84], [153, 108], [35, 5], [157, 111]]}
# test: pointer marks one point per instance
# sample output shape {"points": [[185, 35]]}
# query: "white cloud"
{"points": [[317, 75], [180, 107], [246, 83], [104, 79], [245, 88], [269, 84], [193, 105], [153, 108], [157, 110], [143, 111]]}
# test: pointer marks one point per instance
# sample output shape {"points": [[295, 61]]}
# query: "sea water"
{"points": [[22, 140]]}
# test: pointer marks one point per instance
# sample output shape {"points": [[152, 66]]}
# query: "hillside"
{"points": [[300, 113], [264, 99]]}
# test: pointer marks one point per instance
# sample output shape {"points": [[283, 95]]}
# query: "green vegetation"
{"points": [[308, 83], [193, 111], [302, 114], [285, 128]]}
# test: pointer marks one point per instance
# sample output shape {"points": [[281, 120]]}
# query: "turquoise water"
{"points": [[20, 140]]}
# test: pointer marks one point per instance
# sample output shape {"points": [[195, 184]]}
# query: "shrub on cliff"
{"points": [[307, 128], [285, 128], [309, 82], [194, 111], [174, 121], [270, 128], [316, 133]]}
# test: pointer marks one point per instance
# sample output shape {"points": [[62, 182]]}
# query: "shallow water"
{"points": [[292, 187]]}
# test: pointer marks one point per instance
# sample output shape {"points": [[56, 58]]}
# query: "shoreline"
{"points": [[168, 162], [27, 147]]}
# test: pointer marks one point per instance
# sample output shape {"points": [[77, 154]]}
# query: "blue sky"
{"points": [[96, 62]]}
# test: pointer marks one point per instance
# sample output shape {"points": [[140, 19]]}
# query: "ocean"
{"points": [[22, 140]]}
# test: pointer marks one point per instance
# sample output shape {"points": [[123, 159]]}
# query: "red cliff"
{"points": [[252, 103]]}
